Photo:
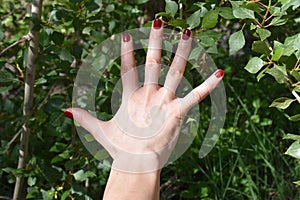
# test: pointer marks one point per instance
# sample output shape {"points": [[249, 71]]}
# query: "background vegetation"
{"points": [[248, 162]]}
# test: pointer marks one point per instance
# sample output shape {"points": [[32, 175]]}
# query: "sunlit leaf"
{"points": [[210, 19], [282, 102], [294, 150], [297, 89], [194, 20], [295, 118], [236, 42], [240, 12], [279, 73], [254, 65], [277, 21], [291, 137], [171, 7], [263, 33]]}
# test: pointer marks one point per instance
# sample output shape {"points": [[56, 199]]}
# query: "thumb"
{"points": [[87, 121]]}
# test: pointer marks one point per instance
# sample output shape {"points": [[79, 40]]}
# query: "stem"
{"points": [[22, 39], [36, 8], [296, 96], [296, 67], [267, 12]]}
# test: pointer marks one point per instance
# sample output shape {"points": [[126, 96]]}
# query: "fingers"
{"points": [[128, 67], [177, 67], [200, 92], [87, 121], [153, 58]]}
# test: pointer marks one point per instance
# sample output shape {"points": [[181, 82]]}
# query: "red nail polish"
{"points": [[157, 23], [68, 114], [186, 34], [126, 37], [219, 73]]}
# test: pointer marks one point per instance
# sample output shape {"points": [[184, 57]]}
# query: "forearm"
{"points": [[123, 186]]}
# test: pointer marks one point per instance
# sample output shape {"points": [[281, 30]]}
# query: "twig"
{"points": [[16, 136], [296, 95], [6, 198], [22, 39]]}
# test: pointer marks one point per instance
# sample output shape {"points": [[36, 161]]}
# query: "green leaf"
{"points": [[110, 8], [209, 39], [31, 181], [194, 20], [89, 137], [294, 150], [277, 53], [254, 65], [295, 118], [196, 53], [295, 74], [261, 47], [278, 21], [101, 154], [241, 13], [252, 6], [279, 73], [226, 13], [297, 183], [6, 76], [210, 19], [178, 22], [57, 38], [41, 81], [286, 4], [263, 33], [142, 1], [297, 89], [171, 7], [291, 137], [293, 42], [58, 147], [65, 54], [82, 176], [236, 42], [65, 195], [282, 102]]}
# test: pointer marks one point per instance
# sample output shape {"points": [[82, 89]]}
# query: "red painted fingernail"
{"points": [[219, 73], [68, 114], [157, 23], [126, 37], [186, 34]]}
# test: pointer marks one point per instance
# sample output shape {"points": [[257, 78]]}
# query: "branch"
{"points": [[22, 39], [10, 143], [296, 95], [36, 8]]}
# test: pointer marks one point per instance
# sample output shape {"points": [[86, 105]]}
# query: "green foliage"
{"points": [[248, 162]]}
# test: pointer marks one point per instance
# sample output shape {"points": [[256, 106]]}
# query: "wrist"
{"points": [[139, 163], [124, 185]]}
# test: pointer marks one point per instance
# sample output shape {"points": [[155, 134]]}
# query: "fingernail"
{"points": [[157, 23], [186, 34], [126, 37], [219, 73], [68, 114]]}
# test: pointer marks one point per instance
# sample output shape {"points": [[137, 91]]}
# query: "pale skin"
{"points": [[143, 133]]}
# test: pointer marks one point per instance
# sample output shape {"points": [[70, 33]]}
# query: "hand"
{"points": [[144, 131]]}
